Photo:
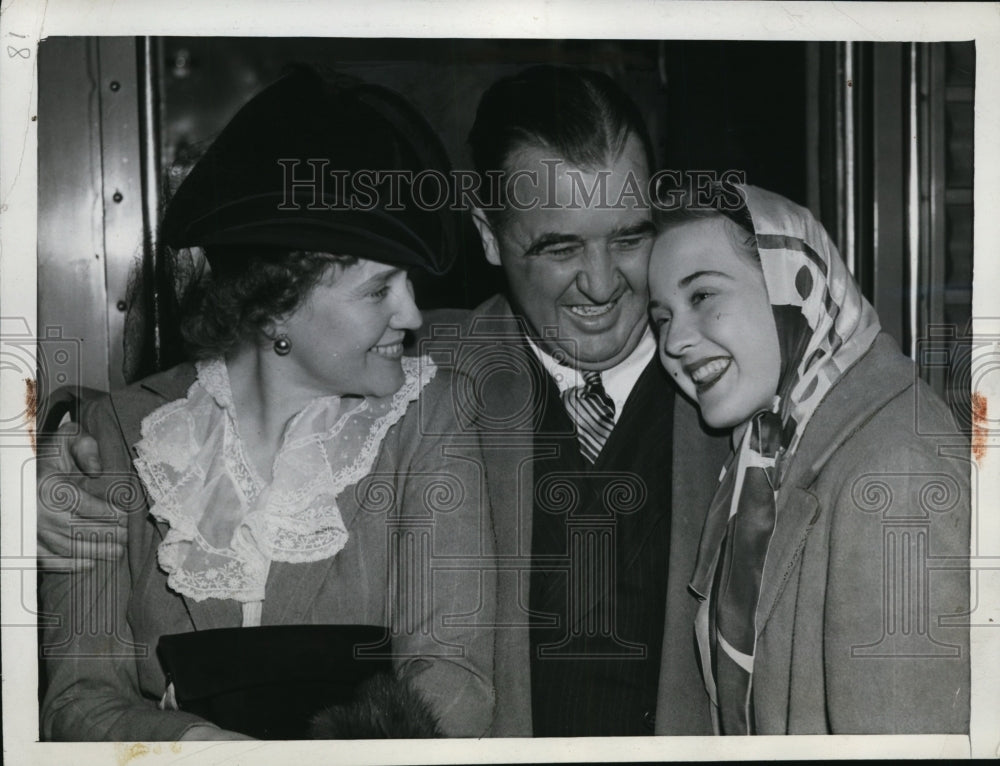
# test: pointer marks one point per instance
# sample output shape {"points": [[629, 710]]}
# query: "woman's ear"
{"points": [[270, 332], [487, 236]]}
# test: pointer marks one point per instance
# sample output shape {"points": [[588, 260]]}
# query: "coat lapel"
{"points": [[292, 589], [130, 406], [863, 390], [498, 392], [506, 398], [795, 514], [494, 368], [555, 453], [213, 613], [652, 399], [134, 403]]}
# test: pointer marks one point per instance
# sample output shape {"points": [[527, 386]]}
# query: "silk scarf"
{"points": [[824, 326]]}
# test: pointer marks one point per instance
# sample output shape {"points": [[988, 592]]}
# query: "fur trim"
{"points": [[383, 707]]}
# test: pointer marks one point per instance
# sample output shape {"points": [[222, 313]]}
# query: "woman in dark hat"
{"points": [[285, 477]]}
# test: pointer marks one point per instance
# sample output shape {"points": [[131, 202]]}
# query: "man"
{"points": [[592, 463], [576, 417]]}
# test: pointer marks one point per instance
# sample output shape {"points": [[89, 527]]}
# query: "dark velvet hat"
{"points": [[324, 166]]}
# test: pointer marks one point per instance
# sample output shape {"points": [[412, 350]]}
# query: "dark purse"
{"points": [[269, 682]]}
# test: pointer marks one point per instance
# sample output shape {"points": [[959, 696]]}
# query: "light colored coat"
{"points": [[105, 680], [866, 582]]}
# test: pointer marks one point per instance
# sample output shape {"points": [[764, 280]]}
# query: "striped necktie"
{"points": [[593, 412]]}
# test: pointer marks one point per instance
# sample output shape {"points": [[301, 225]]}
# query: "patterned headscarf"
{"points": [[824, 326]]}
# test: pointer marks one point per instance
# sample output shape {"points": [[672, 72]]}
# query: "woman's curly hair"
{"points": [[249, 288]]}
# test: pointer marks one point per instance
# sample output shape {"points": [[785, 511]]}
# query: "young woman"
{"points": [[285, 477], [820, 612]]}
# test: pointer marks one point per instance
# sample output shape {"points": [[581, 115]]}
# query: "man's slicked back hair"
{"points": [[582, 116]]}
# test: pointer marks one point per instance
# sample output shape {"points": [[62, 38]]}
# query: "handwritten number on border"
{"points": [[24, 53]]}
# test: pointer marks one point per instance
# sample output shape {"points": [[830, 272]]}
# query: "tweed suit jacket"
{"points": [[104, 678], [487, 348]]}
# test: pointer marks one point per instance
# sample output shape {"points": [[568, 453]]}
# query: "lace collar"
{"points": [[226, 523]]}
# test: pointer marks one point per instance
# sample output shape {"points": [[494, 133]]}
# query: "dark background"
{"points": [[875, 138], [715, 105]]}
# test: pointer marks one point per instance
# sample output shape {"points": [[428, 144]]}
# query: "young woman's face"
{"points": [[716, 330], [347, 335]]}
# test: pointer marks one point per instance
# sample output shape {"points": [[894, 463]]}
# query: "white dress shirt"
{"points": [[618, 380]]}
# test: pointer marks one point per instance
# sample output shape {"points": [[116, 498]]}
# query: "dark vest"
{"points": [[600, 536]]}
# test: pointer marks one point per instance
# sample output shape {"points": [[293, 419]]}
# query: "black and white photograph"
{"points": [[546, 382]]}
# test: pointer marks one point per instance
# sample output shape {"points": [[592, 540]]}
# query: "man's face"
{"points": [[575, 264]]}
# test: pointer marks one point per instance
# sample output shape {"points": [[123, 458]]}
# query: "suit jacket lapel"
{"points": [[555, 449], [213, 613], [131, 405], [291, 594], [498, 382], [652, 399], [500, 369], [292, 589], [502, 396]]}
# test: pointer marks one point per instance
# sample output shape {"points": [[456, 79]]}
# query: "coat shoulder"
{"points": [[121, 412], [912, 431]]}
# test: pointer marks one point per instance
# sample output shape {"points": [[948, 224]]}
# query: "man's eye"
{"points": [[565, 249], [630, 243], [660, 321], [380, 293]]}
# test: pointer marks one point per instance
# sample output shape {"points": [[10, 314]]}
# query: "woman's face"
{"points": [[347, 335], [709, 305]]}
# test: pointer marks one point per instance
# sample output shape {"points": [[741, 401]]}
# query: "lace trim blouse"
{"points": [[226, 524]]}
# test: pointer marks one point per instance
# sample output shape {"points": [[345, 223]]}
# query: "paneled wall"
{"points": [[891, 164], [90, 223]]}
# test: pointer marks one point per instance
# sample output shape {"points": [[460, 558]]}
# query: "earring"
{"points": [[282, 345]]}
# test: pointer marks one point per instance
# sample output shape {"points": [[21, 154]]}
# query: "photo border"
{"points": [[24, 22]]}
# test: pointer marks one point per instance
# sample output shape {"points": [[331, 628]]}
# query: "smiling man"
{"points": [[579, 422], [579, 268], [594, 468]]}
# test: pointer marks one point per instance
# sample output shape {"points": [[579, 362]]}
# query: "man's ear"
{"points": [[488, 237]]}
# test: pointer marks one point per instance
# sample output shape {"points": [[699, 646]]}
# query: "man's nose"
{"points": [[599, 277]]}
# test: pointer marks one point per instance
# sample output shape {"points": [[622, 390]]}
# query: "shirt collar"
{"points": [[618, 380]]}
